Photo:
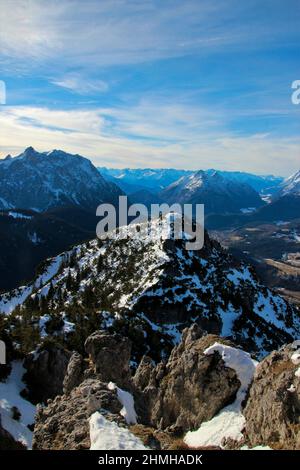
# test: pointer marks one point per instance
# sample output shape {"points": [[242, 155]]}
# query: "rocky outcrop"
{"points": [[75, 371], [110, 356], [272, 411], [189, 389], [63, 423], [45, 372]]}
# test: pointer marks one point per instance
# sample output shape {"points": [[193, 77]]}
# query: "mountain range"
{"points": [[155, 180], [65, 190]]}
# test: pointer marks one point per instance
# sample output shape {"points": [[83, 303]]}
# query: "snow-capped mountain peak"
{"points": [[219, 194], [42, 180]]}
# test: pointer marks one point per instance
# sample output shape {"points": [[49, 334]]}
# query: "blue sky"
{"points": [[185, 84]]}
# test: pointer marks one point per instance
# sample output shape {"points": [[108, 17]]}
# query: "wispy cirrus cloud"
{"points": [[81, 85], [115, 32]]}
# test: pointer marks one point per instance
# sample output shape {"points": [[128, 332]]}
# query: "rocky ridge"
{"points": [[148, 289]]}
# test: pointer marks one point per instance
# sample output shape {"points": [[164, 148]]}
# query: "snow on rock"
{"points": [[19, 215], [256, 448], [229, 422], [127, 400], [10, 397], [107, 435], [295, 358]]}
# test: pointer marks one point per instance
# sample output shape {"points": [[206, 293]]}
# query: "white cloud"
{"points": [[81, 85], [97, 33], [105, 136]]}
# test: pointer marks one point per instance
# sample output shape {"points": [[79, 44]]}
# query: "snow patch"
{"points": [[107, 435], [127, 400], [229, 422], [295, 358], [19, 215]]}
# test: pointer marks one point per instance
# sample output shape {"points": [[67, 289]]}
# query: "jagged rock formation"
{"points": [[189, 389], [63, 424], [273, 407], [45, 372], [171, 397]]}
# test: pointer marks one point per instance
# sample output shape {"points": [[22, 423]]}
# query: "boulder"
{"points": [[272, 411]]}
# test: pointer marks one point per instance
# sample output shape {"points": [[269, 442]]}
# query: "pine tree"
{"points": [[69, 281]]}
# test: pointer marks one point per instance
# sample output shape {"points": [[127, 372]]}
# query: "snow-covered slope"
{"points": [[290, 186], [229, 422], [11, 399], [219, 194], [107, 435], [150, 289], [40, 181]]}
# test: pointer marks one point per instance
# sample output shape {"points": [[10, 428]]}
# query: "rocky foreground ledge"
{"points": [[208, 394]]}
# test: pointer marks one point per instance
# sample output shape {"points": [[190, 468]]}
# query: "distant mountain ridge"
{"points": [[43, 180], [154, 179], [132, 180]]}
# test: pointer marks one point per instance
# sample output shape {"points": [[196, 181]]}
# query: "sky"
{"points": [[192, 84]]}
